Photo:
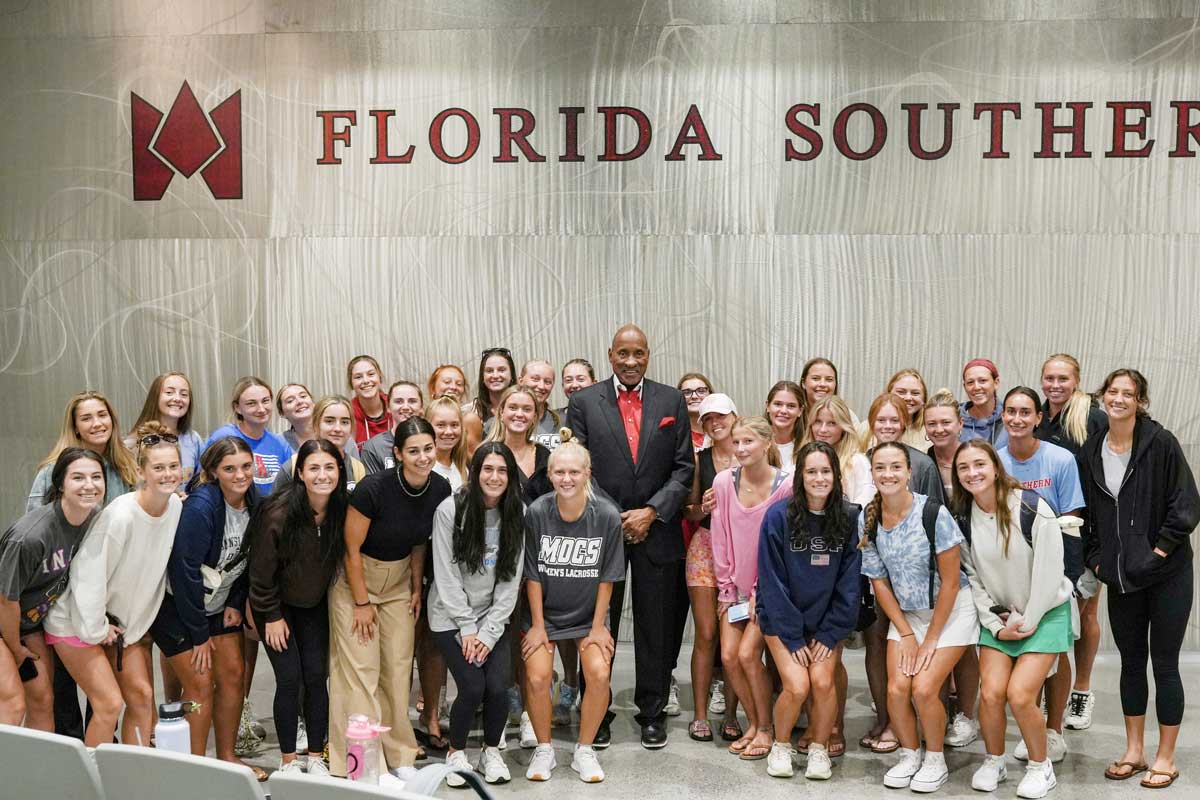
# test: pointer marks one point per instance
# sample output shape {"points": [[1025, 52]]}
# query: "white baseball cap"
{"points": [[717, 403]]}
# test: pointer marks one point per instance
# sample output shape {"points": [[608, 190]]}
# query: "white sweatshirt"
{"points": [[1029, 581], [120, 569]]}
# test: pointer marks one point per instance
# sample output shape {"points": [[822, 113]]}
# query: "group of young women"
{"points": [[962, 545]]}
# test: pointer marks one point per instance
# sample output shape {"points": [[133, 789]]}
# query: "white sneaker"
{"points": [[1079, 710], [542, 764], [962, 731], [900, 776], [819, 767], [1039, 779], [1056, 747], [779, 760], [491, 765], [457, 761], [716, 703], [932, 775], [587, 764], [317, 766], [301, 736], [503, 743], [991, 774], [528, 737], [293, 767], [671, 709]]}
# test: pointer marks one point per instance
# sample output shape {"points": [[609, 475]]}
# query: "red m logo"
{"points": [[186, 141]]}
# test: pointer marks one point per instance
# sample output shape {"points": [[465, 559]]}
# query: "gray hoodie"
{"points": [[472, 603]]}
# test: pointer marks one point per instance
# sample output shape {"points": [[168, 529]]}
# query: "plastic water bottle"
{"points": [[362, 748], [172, 731]]}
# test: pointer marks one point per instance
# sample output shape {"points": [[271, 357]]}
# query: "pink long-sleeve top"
{"points": [[735, 533]]}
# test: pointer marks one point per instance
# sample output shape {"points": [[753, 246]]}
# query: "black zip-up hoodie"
{"points": [[1158, 506]]}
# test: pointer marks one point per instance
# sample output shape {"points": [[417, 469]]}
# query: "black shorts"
{"points": [[171, 635]]}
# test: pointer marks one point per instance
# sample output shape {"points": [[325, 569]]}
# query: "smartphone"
{"points": [[739, 612], [27, 670]]}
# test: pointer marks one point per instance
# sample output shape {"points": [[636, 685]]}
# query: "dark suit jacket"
{"points": [[662, 477]]}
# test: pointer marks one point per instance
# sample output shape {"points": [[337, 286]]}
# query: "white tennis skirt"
{"points": [[960, 630]]}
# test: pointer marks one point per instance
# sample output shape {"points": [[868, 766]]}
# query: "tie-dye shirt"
{"points": [[901, 554]]}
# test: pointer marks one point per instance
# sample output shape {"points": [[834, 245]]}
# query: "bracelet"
{"points": [[362, 605], [906, 635]]}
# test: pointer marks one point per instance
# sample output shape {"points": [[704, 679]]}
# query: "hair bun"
{"points": [[565, 435], [943, 395], [150, 428]]}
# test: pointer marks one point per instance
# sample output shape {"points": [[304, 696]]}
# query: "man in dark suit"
{"points": [[641, 446]]}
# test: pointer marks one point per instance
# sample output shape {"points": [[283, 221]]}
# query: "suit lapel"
{"points": [[613, 414], [650, 396]]}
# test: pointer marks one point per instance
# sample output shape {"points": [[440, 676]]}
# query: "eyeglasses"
{"points": [[701, 392], [494, 351], [155, 438]]}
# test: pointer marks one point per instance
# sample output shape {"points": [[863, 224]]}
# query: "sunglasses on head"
{"points": [[492, 351], [152, 439]]}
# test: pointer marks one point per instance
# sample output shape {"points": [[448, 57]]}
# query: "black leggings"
{"points": [[303, 664], [477, 685], [1159, 613]]}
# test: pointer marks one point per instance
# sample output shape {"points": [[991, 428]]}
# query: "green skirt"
{"points": [[1053, 635]]}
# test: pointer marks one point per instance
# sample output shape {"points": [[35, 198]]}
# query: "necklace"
{"points": [[404, 486]]}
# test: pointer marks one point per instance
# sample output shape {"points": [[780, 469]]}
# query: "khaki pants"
{"points": [[373, 678]]}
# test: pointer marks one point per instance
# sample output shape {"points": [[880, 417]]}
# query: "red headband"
{"points": [[982, 362]]}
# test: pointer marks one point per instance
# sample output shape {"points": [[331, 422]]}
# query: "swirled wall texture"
{"points": [[742, 267]]}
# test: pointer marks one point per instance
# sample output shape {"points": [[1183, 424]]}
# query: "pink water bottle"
{"points": [[362, 748]]}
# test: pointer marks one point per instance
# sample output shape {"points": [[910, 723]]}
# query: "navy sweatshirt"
{"points": [[198, 541], [811, 592]]}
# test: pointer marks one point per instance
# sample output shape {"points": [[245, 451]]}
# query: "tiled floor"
{"points": [[687, 769]]}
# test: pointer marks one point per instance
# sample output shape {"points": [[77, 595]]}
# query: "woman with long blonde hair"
{"points": [[91, 423], [829, 420], [742, 496], [1070, 416]]}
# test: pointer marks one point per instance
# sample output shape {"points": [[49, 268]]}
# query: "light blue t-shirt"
{"points": [[1051, 472], [271, 452], [901, 554]]}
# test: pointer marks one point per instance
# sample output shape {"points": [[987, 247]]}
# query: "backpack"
{"points": [[1072, 543]]}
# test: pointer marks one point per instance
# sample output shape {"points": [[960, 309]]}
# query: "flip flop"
{"points": [[867, 741], [700, 730], [738, 747], [755, 752], [731, 732], [260, 774], [430, 741], [1171, 777], [837, 746], [802, 746], [885, 746], [1113, 774]]}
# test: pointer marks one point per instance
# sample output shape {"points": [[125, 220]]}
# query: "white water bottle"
{"points": [[172, 731], [362, 748]]}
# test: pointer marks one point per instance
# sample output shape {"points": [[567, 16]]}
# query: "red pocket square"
{"points": [[666, 422]]}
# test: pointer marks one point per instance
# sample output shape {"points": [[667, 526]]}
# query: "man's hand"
{"points": [[636, 523]]}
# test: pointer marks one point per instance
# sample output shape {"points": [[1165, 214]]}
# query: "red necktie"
{"points": [[629, 403]]}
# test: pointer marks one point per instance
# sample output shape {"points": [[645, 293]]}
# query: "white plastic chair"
{"points": [[35, 765], [135, 772], [303, 787]]}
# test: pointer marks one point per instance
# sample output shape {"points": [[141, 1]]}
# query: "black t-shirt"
{"points": [[1051, 428], [399, 521]]}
